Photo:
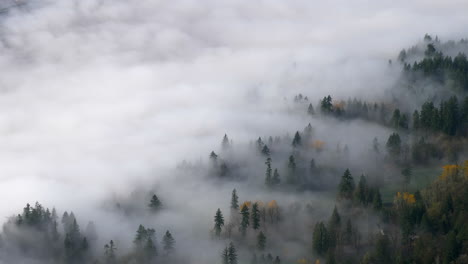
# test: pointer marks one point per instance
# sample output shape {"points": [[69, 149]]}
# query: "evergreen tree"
{"points": [[277, 260], [326, 105], [362, 190], [225, 256], [168, 243], [225, 143], [407, 172], [109, 253], [297, 141], [155, 203], [330, 257], [245, 218], [266, 151], [268, 177], [260, 144], [213, 158], [255, 216], [234, 200], [150, 250], [291, 170], [394, 145], [232, 254], [276, 177], [416, 121], [261, 241], [320, 238], [377, 201], [346, 187], [310, 110], [219, 222]]}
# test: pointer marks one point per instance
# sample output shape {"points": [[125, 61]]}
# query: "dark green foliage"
{"points": [[234, 200], [266, 151], [297, 141], [326, 105], [232, 254], [346, 187], [291, 170], [261, 241], [310, 110], [320, 238], [168, 243], [394, 145], [225, 145], [225, 256], [268, 176], [383, 253], [219, 222], [109, 253], [245, 216], [255, 216], [276, 177], [155, 203]]}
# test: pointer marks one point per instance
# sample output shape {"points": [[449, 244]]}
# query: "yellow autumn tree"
{"points": [[404, 199], [449, 171], [318, 145]]}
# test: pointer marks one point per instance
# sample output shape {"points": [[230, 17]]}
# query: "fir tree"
{"points": [[261, 241], [234, 200], [297, 141], [276, 178], [310, 109], [265, 151], [225, 256], [232, 254], [255, 216], [291, 170], [219, 222], [320, 238], [155, 203], [225, 143], [268, 177], [168, 243], [346, 187], [245, 218]]}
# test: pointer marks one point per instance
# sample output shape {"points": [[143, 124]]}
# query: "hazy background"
{"points": [[100, 96]]}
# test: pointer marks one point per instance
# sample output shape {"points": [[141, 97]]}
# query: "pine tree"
{"points": [[260, 144], [320, 238], [276, 178], [168, 243], [291, 170], [377, 200], [362, 190], [346, 187], [310, 110], [261, 241], [219, 222], [232, 254], [297, 141], [277, 260], [266, 151], [234, 200], [268, 177], [150, 250], [213, 158], [245, 218], [225, 256], [155, 203], [225, 145], [109, 253], [255, 216], [394, 145]]}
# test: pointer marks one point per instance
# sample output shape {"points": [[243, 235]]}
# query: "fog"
{"points": [[101, 98]]}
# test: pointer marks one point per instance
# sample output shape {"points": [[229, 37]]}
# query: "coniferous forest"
{"points": [[167, 133]]}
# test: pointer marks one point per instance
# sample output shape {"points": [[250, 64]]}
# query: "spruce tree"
{"points": [[377, 201], [168, 243], [225, 256], [320, 238], [255, 216], [245, 218], [291, 170], [234, 200], [265, 151], [297, 141], [362, 190], [276, 178], [310, 109], [268, 177], [346, 187], [261, 241], [155, 203], [219, 222], [225, 143], [232, 254]]}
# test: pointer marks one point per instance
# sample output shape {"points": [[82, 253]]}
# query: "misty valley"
{"points": [[165, 133]]}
